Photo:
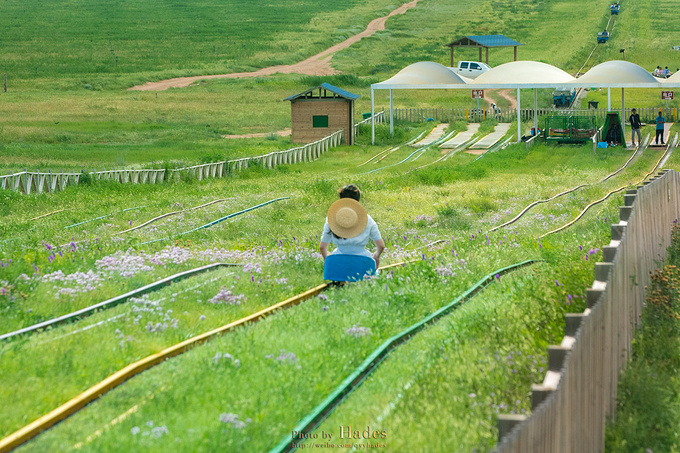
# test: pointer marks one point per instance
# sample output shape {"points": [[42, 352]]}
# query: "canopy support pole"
{"points": [[391, 115], [623, 119], [535, 111], [372, 118], [519, 119], [609, 99]]}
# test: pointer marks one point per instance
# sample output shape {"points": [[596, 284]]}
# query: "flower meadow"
{"points": [[246, 390]]}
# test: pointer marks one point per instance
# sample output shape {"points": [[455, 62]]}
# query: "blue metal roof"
{"points": [[486, 41], [328, 87]]}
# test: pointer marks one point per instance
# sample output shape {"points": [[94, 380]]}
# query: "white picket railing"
{"points": [[39, 182], [379, 119]]}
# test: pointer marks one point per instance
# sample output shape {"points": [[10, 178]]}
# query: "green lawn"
{"points": [[454, 201], [67, 107]]}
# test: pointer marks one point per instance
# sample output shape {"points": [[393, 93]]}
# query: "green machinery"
{"points": [[570, 129]]}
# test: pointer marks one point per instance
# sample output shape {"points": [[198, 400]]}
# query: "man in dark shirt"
{"points": [[635, 126]]}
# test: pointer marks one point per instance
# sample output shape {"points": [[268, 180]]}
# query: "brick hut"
{"points": [[320, 111]]}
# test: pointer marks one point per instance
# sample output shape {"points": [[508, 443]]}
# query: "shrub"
{"points": [[480, 205], [85, 178], [450, 217]]}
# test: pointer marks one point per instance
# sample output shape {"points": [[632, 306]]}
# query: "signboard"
{"points": [[667, 95], [477, 94]]}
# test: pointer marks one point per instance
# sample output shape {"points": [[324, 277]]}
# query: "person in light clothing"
{"points": [[349, 227]]}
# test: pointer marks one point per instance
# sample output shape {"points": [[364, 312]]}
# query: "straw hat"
{"points": [[347, 218]]}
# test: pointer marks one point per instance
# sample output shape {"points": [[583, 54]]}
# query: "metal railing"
{"points": [[647, 115]]}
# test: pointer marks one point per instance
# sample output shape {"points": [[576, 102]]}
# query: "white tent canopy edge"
{"points": [[428, 75]]}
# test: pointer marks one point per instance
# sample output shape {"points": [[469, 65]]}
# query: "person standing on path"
{"points": [[635, 126], [660, 121]]}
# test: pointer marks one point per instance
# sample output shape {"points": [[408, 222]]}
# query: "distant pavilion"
{"points": [[484, 42]]}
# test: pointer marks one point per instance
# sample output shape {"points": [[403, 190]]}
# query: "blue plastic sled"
{"points": [[347, 268]]}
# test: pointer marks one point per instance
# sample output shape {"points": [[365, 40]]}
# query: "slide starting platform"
{"points": [[436, 134], [488, 141], [462, 137], [666, 133]]}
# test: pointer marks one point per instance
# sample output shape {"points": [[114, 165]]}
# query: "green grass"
{"points": [[87, 40], [648, 407], [283, 238], [74, 112], [474, 364], [67, 108]]}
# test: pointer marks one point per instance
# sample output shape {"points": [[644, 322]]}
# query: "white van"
{"points": [[471, 69]]}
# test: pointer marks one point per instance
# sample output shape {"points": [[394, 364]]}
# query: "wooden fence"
{"points": [[579, 390], [40, 182], [647, 115]]}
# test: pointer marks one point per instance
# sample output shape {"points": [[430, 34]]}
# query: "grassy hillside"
{"points": [[69, 66], [66, 105], [455, 202], [90, 39]]}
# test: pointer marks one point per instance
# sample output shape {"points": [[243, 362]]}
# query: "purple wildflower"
{"points": [[232, 419], [357, 331], [159, 431], [286, 356], [225, 296]]}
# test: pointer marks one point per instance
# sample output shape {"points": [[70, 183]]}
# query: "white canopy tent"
{"points": [[523, 74], [427, 75], [424, 75]]}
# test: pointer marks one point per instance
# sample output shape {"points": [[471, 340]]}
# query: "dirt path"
{"points": [[505, 94], [283, 133], [489, 98], [317, 65]]}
